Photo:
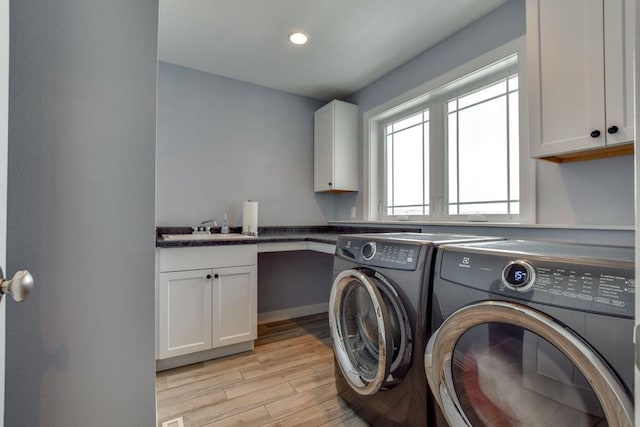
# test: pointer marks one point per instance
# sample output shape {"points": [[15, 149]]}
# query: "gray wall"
{"points": [[596, 192], [80, 350], [222, 141], [293, 279]]}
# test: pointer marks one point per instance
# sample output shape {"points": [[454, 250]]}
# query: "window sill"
{"points": [[492, 225]]}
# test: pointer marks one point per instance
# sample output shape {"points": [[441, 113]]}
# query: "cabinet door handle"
{"points": [[208, 276], [595, 133], [612, 129], [215, 276], [329, 184]]}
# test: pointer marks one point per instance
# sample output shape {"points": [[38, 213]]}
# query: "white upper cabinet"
{"points": [[580, 66], [335, 147]]}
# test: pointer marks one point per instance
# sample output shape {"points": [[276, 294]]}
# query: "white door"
{"points": [[637, 189], [22, 282], [4, 116]]}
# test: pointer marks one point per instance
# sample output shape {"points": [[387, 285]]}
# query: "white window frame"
{"points": [[414, 100]]}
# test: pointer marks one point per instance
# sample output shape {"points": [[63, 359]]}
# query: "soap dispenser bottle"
{"points": [[225, 225]]}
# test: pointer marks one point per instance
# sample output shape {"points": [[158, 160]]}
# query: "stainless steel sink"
{"points": [[216, 236]]}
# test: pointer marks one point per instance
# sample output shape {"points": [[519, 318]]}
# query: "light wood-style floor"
{"points": [[287, 380]]}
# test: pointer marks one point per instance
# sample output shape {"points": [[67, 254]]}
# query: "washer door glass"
{"points": [[362, 331], [502, 364]]}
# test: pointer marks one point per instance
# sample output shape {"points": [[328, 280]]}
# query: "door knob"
{"points": [[19, 286], [612, 129], [595, 133]]}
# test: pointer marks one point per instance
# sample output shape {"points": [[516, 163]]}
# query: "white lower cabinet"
{"points": [[235, 305], [185, 312], [207, 298]]}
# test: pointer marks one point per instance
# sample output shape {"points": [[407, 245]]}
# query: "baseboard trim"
{"points": [[291, 313], [201, 356]]}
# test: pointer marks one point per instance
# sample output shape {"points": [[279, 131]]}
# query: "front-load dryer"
{"points": [[532, 334], [377, 329]]}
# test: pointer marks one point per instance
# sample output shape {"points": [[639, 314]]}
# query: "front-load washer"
{"points": [[532, 334], [378, 332]]}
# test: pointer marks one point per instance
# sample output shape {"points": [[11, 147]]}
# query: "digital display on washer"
{"points": [[518, 275], [400, 256]]}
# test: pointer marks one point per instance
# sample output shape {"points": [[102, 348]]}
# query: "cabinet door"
{"points": [[565, 48], [184, 312], [323, 129], [235, 308], [619, 16], [345, 147]]}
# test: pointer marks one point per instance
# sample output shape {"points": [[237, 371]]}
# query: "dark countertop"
{"points": [[320, 234]]}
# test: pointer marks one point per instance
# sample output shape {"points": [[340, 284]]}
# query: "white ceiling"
{"points": [[352, 43]]}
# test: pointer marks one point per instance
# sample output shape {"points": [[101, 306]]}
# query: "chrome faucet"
{"points": [[203, 228]]}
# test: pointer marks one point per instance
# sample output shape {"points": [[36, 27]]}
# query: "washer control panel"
{"points": [[596, 287], [386, 254]]}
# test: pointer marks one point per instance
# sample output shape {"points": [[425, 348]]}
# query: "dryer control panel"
{"points": [[581, 284], [380, 253]]}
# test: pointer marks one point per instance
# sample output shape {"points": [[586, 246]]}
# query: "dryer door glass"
{"points": [[362, 331], [504, 375], [503, 364]]}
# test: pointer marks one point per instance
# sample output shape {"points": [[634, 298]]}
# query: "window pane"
{"points": [[407, 167], [483, 152], [408, 122], [388, 129], [425, 162], [514, 150], [481, 158], [482, 145], [483, 94], [408, 210], [483, 208], [452, 157], [389, 171]]}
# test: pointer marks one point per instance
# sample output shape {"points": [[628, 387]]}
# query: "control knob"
{"points": [[368, 250], [518, 276]]}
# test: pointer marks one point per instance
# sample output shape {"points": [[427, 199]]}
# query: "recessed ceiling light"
{"points": [[298, 38]]}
